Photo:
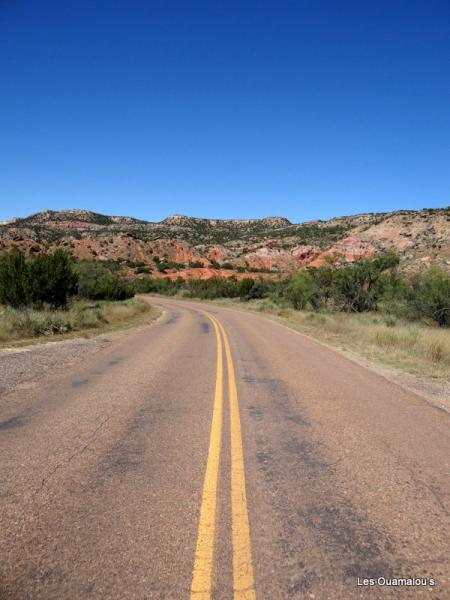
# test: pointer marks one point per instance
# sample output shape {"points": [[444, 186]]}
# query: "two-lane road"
{"points": [[216, 454]]}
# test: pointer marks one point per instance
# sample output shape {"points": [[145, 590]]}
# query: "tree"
{"points": [[244, 287], [429, 296], [44, 279], [360, 286], [13, 278], [323, 281], [51, 279]]}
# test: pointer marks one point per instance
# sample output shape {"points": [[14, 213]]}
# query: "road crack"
{"points": [[68, 460]]}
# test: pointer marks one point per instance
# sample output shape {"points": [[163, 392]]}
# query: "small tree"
{"points": [[301, 290]]}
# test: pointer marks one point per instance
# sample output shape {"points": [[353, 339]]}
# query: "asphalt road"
{"points": [[217, 454]]}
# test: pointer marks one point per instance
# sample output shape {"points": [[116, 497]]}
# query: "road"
{"points": [[217, 454]]}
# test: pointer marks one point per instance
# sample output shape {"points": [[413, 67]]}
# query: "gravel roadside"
{"points": [[21, 366]]}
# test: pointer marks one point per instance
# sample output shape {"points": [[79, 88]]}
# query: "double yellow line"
{"points": [[243, 582]]}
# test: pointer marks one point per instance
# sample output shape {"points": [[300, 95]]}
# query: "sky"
{"points": [[303, 109]]}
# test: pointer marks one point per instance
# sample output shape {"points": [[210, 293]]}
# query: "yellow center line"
{"points": [[204, 553], [243, 580]]}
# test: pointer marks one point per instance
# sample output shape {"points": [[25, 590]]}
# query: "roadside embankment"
{"points": [[82, 318]]}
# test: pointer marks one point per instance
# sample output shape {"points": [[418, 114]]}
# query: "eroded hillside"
{"points": [[192, 247]]}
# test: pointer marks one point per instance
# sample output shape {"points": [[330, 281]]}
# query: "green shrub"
{"points": [[222, 287], [390, 320], [88, 316], [261, 288], [96, 282], [301, 290], [157, 286], [195, 264]]}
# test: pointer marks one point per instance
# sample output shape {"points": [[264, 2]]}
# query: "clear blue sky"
{"points": [[305, 109]]}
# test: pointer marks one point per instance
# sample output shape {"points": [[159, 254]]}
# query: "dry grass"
{"points": [[400, 340], [415, 347], [81, 317]]}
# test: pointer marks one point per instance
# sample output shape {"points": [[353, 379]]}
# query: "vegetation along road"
{"points": [[217, 454]]}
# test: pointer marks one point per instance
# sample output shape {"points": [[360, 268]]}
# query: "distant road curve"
{"points": [[214, 455]]}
